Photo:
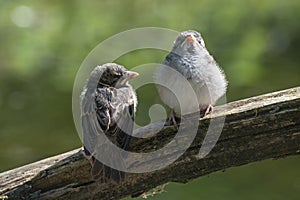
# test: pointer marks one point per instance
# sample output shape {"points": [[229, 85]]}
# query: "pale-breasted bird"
{"points": [[192, 60], [108, 104]]}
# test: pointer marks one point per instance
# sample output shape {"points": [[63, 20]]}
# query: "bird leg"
{"points": [[88, 156], [206, 109], [173, 119]]}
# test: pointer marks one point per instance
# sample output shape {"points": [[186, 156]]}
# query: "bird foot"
{"points": [[88, 156], [206, 110], [173, 120]]}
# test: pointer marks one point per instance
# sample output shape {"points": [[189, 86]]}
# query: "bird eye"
{"points": [[116, 75], [201, 42]]}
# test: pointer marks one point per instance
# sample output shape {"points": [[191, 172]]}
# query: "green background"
{"points": [[42, 44]]}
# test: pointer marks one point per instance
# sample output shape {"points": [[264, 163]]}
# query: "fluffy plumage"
{"points": [[191, 59], [108, 105]]}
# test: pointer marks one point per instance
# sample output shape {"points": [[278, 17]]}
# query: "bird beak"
{"points": [[128, 76], [189, 39], [131, 75]]}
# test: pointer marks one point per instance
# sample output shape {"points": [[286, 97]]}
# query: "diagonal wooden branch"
{"points": [[255, 129]]}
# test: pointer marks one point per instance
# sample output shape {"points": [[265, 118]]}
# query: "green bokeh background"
{"points": [[42, 44]]}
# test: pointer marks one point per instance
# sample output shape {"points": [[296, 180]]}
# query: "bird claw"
{"points": [[173, 120], [206, 109], [90, 158]]}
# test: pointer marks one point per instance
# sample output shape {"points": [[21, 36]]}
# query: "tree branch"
{"points": [[255, 129]]}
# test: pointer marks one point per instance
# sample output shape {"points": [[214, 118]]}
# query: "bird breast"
{"points": [[202, 73]]}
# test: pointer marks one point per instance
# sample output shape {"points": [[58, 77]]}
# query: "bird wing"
{"points": [[107, 111], [185, 67], [90, 126], [122, 116], [180, 64]]}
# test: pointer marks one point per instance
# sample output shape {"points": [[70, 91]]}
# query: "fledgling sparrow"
{"points": [[108, 105], [192, 60]]}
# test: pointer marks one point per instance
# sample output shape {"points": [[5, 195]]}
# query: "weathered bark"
{"points": [[255, 129]]}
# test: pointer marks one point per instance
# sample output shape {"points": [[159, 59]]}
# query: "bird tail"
{"points": [[103, 173]]}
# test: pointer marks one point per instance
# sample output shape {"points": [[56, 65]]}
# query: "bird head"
{"points": [[188, 42], [116, 75]]}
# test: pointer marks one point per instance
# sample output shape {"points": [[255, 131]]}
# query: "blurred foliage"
{"points": [[43, 44]]}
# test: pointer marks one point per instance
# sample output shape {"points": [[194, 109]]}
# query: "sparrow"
{"points": [[108, 104], [192, 60]]}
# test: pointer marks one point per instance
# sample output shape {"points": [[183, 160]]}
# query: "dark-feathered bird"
{"points": [[108, 105], [191, 59]]}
